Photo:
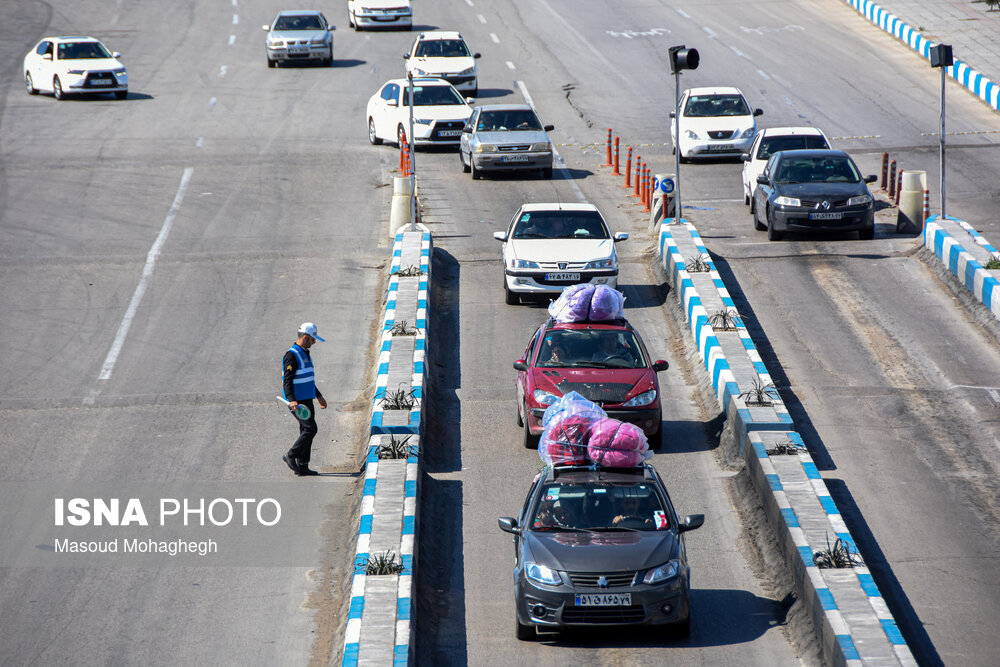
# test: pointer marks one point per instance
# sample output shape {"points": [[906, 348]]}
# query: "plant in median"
{"points": [[409, 271], [385, 562], [760, 394], [786, 447], [401, 399], [838, 555], [992, 4], [403, 328], [699, 264], [396, 449], [994, 262], [724, 319]]}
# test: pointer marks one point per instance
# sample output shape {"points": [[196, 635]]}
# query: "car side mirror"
{"points": [[47, 56], [500, 236], [508, 524], [621, 236], [548, 128], [660, 365], [470, 100], [116, 54], [762, 179], [519, 365], [406, 56], [871, 178], [758, 112], [392, 103], [673, 114], [745, 157], [477, 55], [267, 27], [332, 28], [690, 522]]}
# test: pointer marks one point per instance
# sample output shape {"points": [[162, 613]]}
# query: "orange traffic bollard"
{"points": [[648, 190], [628, 169], [608, 160], [638, 168], [899, 185], [616, 172], [892, 179], [885, 168], [927, 204]]}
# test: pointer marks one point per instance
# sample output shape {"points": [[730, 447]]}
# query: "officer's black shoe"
{"points": [[304, 470], [291, 463]]}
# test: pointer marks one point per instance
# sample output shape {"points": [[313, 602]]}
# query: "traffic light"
{"points": [[682, 57]]}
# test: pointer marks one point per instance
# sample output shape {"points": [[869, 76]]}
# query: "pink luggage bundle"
{"points": [[588, 303], [616, 444], [577, 432]]}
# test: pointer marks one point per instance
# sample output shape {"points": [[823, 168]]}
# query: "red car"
{"points": [[606, 362]]}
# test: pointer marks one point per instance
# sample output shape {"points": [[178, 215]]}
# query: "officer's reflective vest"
{"points": [[304, 382]]}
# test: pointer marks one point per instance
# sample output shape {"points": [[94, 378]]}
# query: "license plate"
{"points": [[721, 147], [450, 133], [298, 49], [100, 82], [826, 216], [603, 599], [514, 158], [562, 276]]}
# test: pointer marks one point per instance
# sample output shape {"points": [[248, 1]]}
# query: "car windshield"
{"points": [[513, 119], [298, 22], [716, 105], [442, 48], [791, 142], [82, 51], [599, 506], [590, 348], [430, 96], [817, 170], [561, 225]]}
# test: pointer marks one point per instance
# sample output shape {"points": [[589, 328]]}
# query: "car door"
{"points": [[507, 250], [764, 190], [680, 116], [522, 381], [750, 170], [465, 145], [42, 68], [388, 102]]}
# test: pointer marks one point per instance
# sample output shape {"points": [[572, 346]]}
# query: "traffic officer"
{"points": [[299, 388]]}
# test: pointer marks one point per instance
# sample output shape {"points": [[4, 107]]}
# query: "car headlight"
{"points": [[606, 263], [486, 148], [523, 264], [275, 42], [119, 72], [541, 147], [544, 397], [788, 201], [645, 398], [860, 200], [747, 133], [691, 134], [423, 121], [541, 574], [467, 72], [318, 41], [76, 71], [668, 570]]}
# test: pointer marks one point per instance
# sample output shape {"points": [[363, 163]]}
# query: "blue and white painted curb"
{"points": [[980, 86], [960, 262]]}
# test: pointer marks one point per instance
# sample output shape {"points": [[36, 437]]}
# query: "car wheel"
{"points": [[121, 94], [746, 198], [772, 233], [372, 137], [29, 84], [57, 88], [476, 174], [866, 234], [757, 224], [461, 156], [530, 441], [547, 172], [329, 60], [524, 633], [683, 158], [520, 419], [272, 63], [509, 297]]}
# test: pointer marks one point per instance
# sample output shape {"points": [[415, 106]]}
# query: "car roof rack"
{"points": [[561, 469], [619, 322]]}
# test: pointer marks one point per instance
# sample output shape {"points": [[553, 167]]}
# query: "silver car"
{"points": [[505, 137], [299, 35]]}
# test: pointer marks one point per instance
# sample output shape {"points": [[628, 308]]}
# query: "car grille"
{"points": [[589, 579], [455, 80], [599, 392], [562, 266], [455, 125], [107, 76], [721, 134], [514, 148], [632, 614], [808, 203]]}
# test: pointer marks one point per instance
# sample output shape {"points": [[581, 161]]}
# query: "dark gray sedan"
{"points": [[813, 190], [599, 547], [505, 137]]}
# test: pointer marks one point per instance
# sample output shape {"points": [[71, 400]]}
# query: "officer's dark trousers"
{"points": [[301, 449]]}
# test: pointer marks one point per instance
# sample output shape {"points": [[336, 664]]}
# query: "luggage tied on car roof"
{"points": [[588, 303], [578, 431]]}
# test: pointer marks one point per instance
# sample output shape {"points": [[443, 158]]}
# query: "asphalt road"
{"points": [[276, 206]]}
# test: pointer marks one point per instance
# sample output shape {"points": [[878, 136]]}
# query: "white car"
{"points": [[444, 54], [771, 140], [74, 65], [379, 14], [439, 114], [714, 122], [299, 35], [548, 247]]}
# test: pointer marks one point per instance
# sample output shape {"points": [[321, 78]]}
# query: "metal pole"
{"points": [[413, 161], [943, 214], [677, 146]]}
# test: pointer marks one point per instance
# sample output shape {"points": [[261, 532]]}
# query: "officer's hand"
{"points": [[322, 403], [292, 405]]}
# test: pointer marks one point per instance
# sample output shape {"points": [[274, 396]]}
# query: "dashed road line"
{"points": [[510, 66], [222, 71], [493, 36], [482, 19], [232, 40]]}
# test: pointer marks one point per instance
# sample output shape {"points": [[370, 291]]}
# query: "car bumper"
{"points": [[384, 20], [508, 162], [710, 148], [797, 219], [314, 53], [554, 607], [648, 419], [90, 83], [535, 282]]}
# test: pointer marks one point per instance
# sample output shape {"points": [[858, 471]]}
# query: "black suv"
{"points": [[600, 547]]}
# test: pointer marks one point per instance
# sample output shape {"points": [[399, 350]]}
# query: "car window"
{"points": [[772, 144], [716, 105], [429, 96], [299, 22], [817, 170], [599, 506], [561, 225], [442, 48], [390, 92], [513, 119], [43, 48], [590, 348], [82, 50]]}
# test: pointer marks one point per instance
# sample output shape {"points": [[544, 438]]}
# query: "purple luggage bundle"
{"points": [[588, 303], [577, 432], [616, 444]]}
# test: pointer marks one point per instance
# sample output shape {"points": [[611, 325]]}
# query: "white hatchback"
{"points": [[714, 122], [771, 140], [379, 14], [549, 246], [74, 65], [439, 113], [444, 54]]}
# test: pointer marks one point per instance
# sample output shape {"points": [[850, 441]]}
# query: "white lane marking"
{"points": [[232, 40], [211, 103], [683, 13], [493, 36], [234, 3], [236, 19], [708, 31], [556, 158], [147, 272], [783, 82], [738, 52], [469, 2], [482, 19], [222, 71], [763, 74], [510, 66], [994, 395], [200, 141]]}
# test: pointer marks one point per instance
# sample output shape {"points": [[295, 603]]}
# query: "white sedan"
{"points": [[379, 14], [445, 55], [549, 246], [74, 65], [714, 122], [771, 140], [439, 113]]}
